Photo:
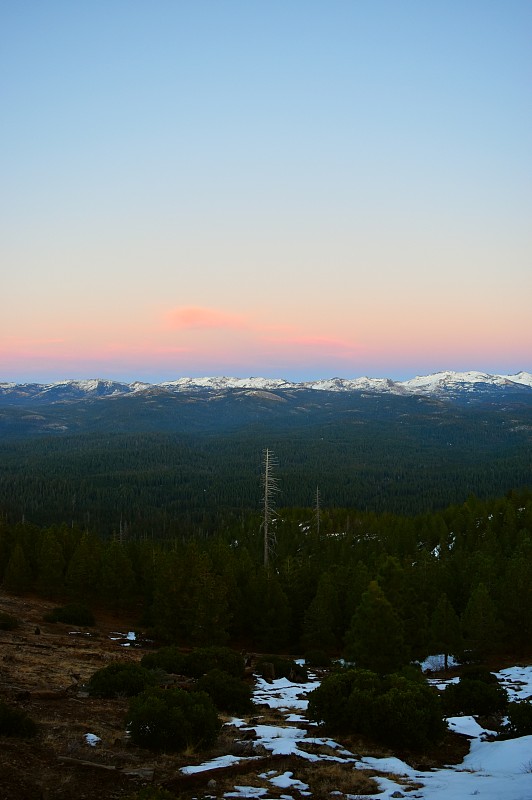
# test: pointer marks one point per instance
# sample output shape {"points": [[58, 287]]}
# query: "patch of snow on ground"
{"points": [[215, 763], [286, 781], [468, 726], [282, 693], [436, 663], [247, 791], [493, 770], [517, 681]]}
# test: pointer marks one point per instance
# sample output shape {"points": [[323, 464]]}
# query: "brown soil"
{"points": [[43, 674]]}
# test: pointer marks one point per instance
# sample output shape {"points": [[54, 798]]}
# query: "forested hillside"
{"points": [[379, 454], [458, 580], [152, 503]]}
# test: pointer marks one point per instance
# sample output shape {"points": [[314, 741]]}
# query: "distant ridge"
{"points": [[439, 384]]}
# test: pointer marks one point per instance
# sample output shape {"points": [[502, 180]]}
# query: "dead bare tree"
{"points": [[270, 488], [317, 510]]}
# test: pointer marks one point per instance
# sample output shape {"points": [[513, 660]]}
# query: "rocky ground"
{"points": [[43, 667]]}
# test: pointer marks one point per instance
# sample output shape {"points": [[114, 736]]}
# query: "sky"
{"points": [[285, 188]]}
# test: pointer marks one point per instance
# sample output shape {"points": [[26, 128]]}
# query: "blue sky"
{"points": [[298, 189]]}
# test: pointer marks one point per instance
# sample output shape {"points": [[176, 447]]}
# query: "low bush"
{"points": [[204, 659], [170, 659], [7, 622], [520, 718], [226, 692], [474, 696], [317, 658], [72, 614], [14, 722], [153, 793], [393, 709], [121, 679], [172, 720], [283, 668]]}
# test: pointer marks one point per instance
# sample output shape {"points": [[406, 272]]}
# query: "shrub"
{"points": [[72, 614], [408, 714], [392, 709], [478, 673], [226, 692], [329, 703], [171, 720], [169, 659], [153, 793], [7, 622], [120, 679], [317, 658], [204, 659], [474, 696], [520, 718], [283, 667], [15, 723]]}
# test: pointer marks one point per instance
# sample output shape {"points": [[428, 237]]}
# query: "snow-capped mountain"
{"points": [[440, 384]]}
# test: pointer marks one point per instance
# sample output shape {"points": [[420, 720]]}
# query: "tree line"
{"points": [[168, 484], [358, 583]]}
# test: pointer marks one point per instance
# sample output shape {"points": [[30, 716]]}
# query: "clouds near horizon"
{"points": [[285, 189]]}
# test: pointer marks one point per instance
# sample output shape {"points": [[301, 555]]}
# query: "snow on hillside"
{"points": [[439, 384], [356, 384], [454, 380], [525, 378], [222, 382], [492, 770]]}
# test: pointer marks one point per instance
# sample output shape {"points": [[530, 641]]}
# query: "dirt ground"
{"points": [[43, 667]]}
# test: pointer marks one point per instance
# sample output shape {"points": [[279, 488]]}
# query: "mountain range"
{"points": [[224, 404], [193, 445], [454, 385]]}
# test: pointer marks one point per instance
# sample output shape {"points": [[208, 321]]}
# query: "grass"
{"points": [[326, 777]]}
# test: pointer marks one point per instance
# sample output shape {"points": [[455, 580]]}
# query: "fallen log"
{"points": [[145, 773], [78, 762]]}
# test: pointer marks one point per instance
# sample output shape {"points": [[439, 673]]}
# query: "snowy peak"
{"points": [[452, 382], [95, 387], [355, 385], [446, 384], [220, 383], [524, 378]]}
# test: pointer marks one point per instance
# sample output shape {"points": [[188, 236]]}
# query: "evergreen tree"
{"points": [[83, 572], [375, 640], [516, 596], [445, 631], [189, 601], [480, 623], [322, 618], [18, 577], [271, 626], [117, 580], [51, 566]]}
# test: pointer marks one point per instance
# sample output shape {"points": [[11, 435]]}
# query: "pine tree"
{"points": [[117, 580], [375, 640], [322, 618], [51, 566], [83, 572], [18, 577], [480, 623], [445, 631]]}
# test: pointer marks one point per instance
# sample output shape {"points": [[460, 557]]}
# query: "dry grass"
{"points": [[326, 777]]}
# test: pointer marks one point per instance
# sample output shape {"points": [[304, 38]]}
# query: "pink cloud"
{"points": [[196, 317]]}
